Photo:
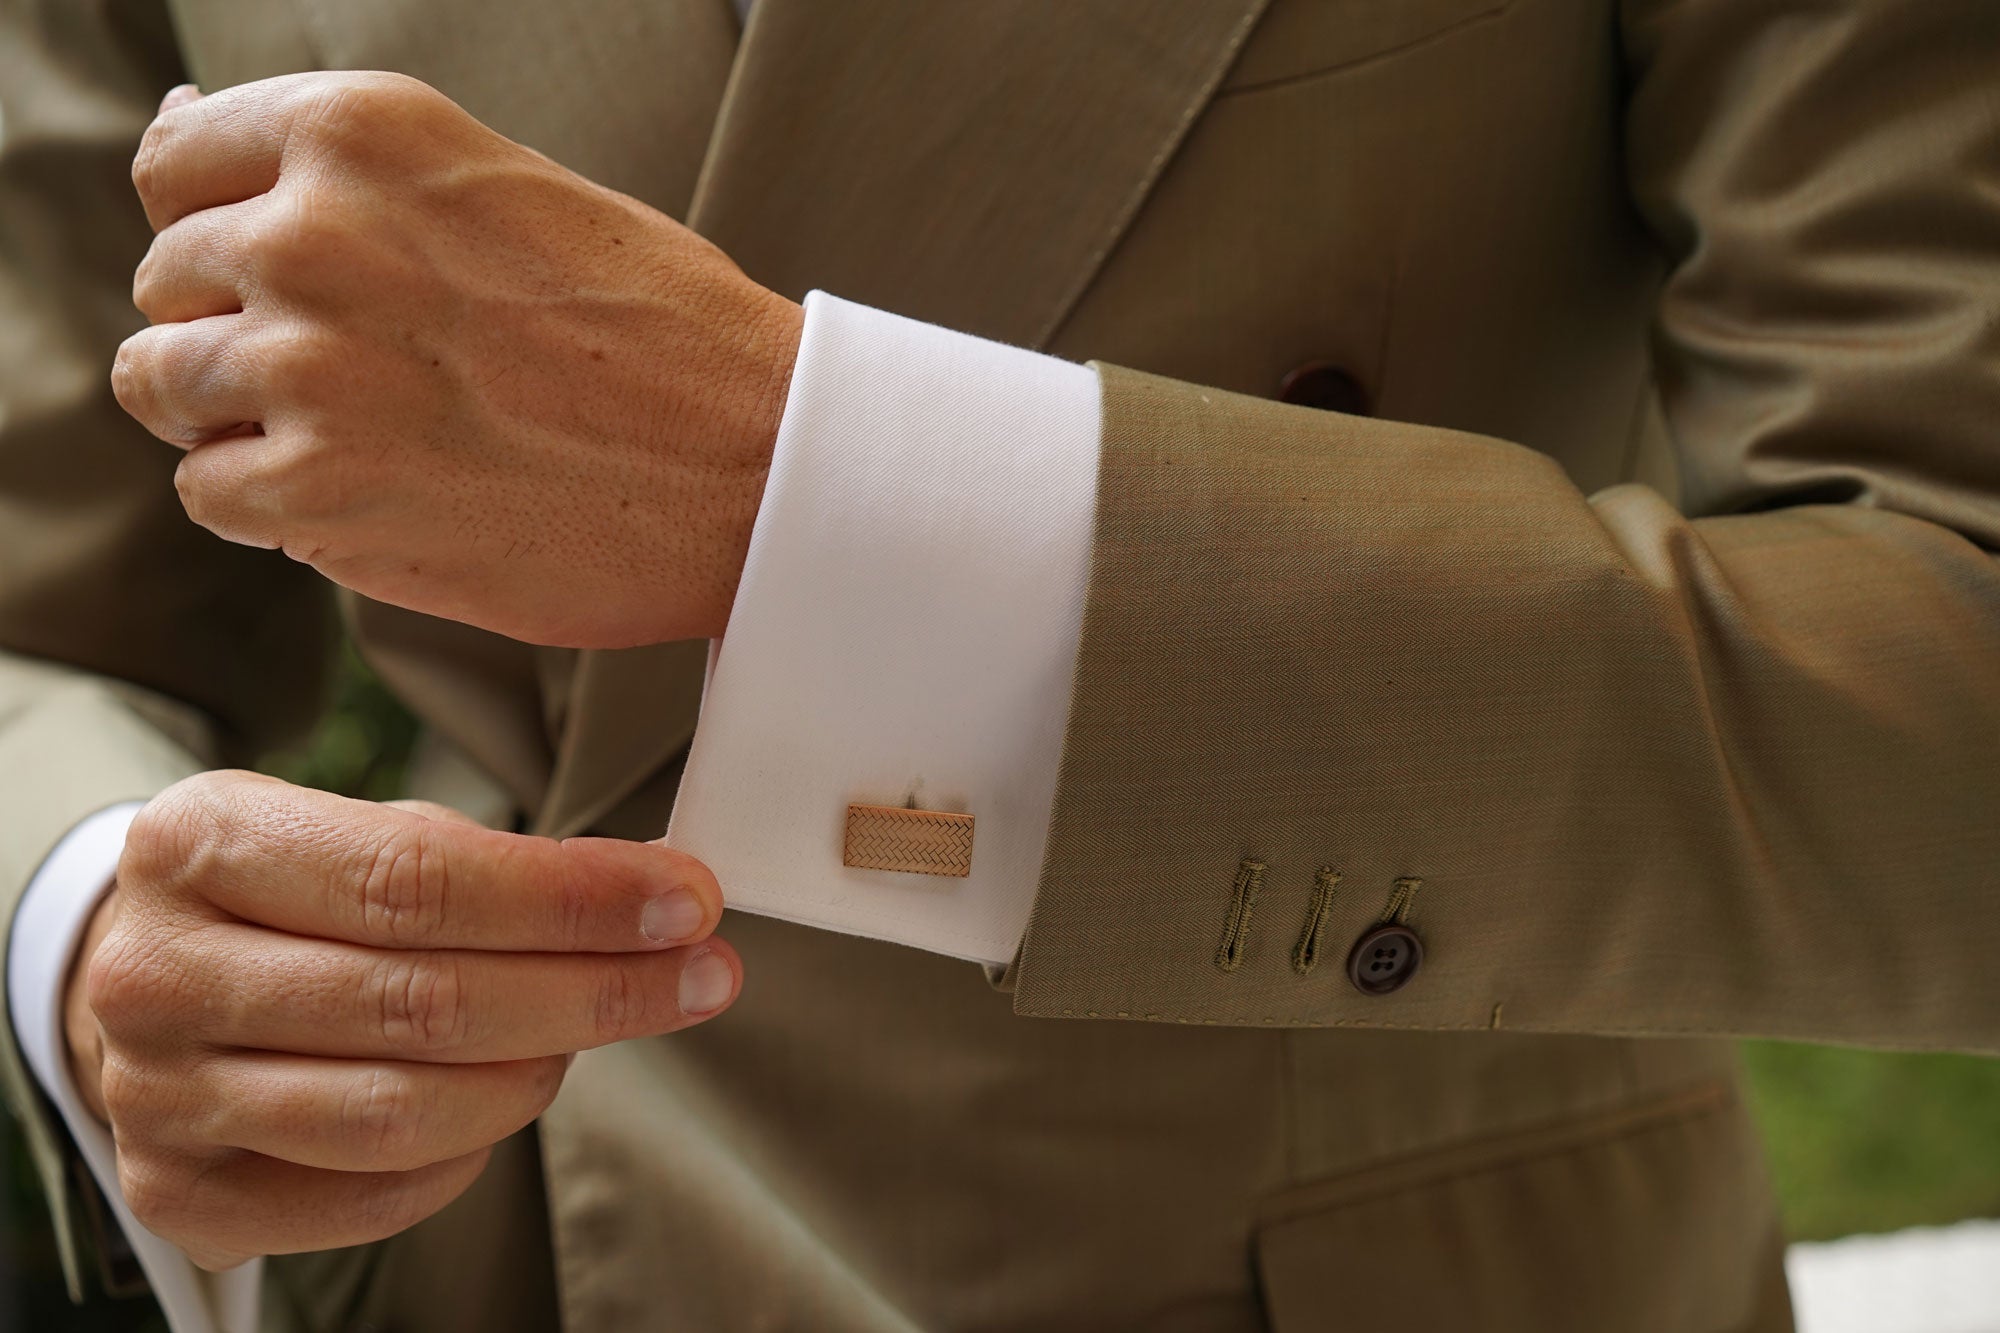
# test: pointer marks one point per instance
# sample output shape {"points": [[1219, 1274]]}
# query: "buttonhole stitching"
{"points": [[1401, 899], [1306, 952], [1236, 928]]}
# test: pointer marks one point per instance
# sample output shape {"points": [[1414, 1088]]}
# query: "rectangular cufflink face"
{"points": [[918, 842]]}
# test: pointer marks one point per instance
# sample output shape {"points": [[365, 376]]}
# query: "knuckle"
{"points": [[397, 97], [622, 1006], [188, 1200], [383, 1116], [157, 1192], [295, 364], [364, 102], [124, 981], [209, 1106], [125, 1091], [155, 1104], [151, 985], [145, 1193], [133, 379], [148, 378], [227, 492], [419, 1002], [146, 279], [574, 905], [405, 889], [146, 161], [341, 109], [179, 837], [315, 374], [199, 496], [304, 235]]}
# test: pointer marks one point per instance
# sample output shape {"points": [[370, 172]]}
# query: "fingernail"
{"points": [[706, 981], [672, 916], [179, 96]]}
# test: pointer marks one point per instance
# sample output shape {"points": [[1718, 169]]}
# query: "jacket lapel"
{"points": [[969, 165]]}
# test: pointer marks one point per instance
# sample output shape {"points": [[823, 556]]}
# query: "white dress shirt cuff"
{"points": [[905, 631], [48, 925]]}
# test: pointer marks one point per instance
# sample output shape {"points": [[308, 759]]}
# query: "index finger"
{"points": [[206, 151], [320, 865]]}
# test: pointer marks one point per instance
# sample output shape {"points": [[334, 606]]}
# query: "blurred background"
{"points": [[1861, 1143]]}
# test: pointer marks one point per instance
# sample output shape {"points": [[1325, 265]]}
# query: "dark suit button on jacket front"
{"points": [[1324, 385], [1385, 959]]}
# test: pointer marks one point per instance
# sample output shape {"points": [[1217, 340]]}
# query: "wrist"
{"points": [[780, 331], [766, 357]]}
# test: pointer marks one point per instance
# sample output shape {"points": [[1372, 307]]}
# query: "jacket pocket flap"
{"points": [[1297, 39], [1649, 1219]]}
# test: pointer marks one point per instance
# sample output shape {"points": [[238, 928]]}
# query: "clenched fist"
{"points": [[445, 371], [308, 1019]]}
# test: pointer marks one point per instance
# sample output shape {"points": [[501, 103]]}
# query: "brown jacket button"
{"points": [[1384, 959], [1324, 385]]}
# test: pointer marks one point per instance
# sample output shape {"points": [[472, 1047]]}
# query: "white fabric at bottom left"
{"points": [[48, 925]]}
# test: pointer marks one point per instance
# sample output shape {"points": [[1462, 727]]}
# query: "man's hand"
{"points": [[443, 370], [309, 1018]]}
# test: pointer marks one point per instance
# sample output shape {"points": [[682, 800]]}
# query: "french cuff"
{"points": [[903, 639], [49, 923]]}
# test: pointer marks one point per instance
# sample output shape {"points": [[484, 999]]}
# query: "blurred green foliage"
{"points": [[1865, 1141], [360, 747], [1858, 1140]]}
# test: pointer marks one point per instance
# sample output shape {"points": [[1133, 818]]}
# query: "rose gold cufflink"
{"points": [[917, 842]]}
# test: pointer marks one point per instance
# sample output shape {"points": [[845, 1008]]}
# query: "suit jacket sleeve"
{"points": [[134, 648], [1623, 768]]}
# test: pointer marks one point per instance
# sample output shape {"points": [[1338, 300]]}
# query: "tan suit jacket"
{"points": [[1637, 618]]}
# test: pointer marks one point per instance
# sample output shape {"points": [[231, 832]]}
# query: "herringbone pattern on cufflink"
{"points": [[918, 842]]}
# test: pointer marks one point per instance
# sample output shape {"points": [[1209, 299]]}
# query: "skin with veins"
{"points": [[445, 371]]}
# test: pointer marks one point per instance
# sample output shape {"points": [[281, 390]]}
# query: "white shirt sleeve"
{"points": [[905, 631], [48, 925]]}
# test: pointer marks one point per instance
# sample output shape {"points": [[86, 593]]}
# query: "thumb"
{"points": [[179, 96]]}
